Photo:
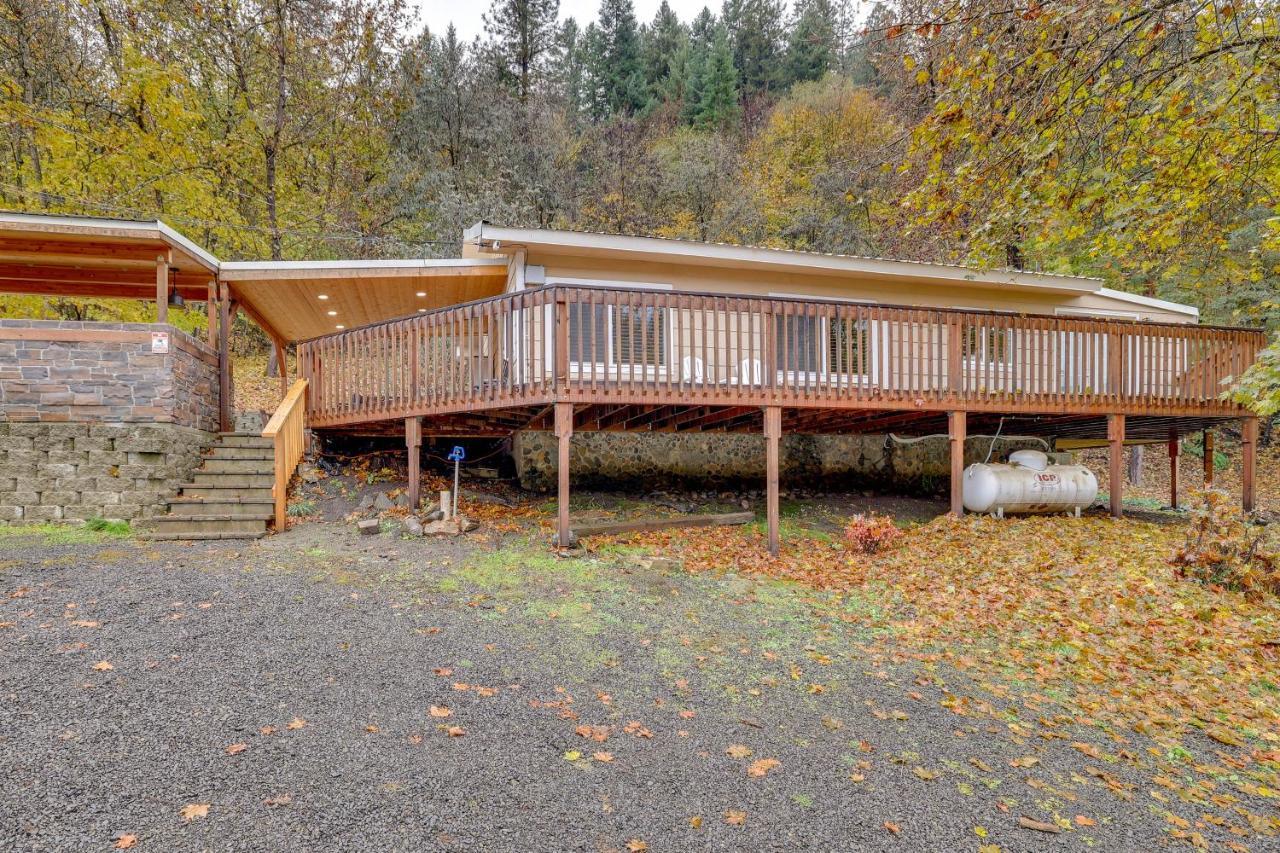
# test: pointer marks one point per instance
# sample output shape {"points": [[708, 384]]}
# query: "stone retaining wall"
{"points": [[61, 371], [76, 471], [661, 459]]}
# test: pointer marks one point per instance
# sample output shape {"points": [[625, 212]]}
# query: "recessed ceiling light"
{"points": [[422, 293], [422, 310], [333, 313], [339, 326], [323, 296]]}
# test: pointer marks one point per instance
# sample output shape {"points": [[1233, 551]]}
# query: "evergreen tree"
{"points": [[522, 32], [718, 100], [756, 35], [620, 67], [701, 40], [565, 69], [664, 51], [811, 49]]}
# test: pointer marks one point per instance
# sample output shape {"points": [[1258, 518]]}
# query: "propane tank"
{"points": [[1028, 483]]}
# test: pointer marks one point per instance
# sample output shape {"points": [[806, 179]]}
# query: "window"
{"points": [[847, 350], [641, 335], [985, 344], [799, 348], [622, 334]]}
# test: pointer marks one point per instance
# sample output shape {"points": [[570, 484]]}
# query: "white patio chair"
{"points": [[691, 369], [751, 372]]}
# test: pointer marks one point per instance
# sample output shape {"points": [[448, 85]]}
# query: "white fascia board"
{"points": [[1150, 302], [357, 265], [720, 254]]}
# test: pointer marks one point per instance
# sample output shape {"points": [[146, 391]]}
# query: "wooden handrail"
{"points": [[287, 430], [565, 343]]}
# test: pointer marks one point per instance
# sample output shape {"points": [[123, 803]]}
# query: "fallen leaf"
{"points": [[892, 827], [125, 841], [925, 773], [455, 731], [191, 811], [103, 666], [295, 724], [738, 750], [735, 818], [762, 766], [1081, 820], [635, 845], [86, 623], [443, 671], [605, 757], [1038, 825], [278, 800], [981, 765], [372, 729], [857, 777], [1025, 761], [439, 711], [572, 755], [696, 821], [267, 730], [237, 748], [1088, 749]]}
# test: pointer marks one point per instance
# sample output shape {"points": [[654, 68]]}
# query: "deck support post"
{"points": [[224, 357], [1175, 448], [564, 432], [282, 366], [211, 315], [1115, 471], [1207, 445], [772, 437], [413, 441], [162, 288], [957, 423], [1248, 461]]}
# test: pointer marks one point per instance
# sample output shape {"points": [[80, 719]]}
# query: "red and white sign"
{"points": [[159, 342]]}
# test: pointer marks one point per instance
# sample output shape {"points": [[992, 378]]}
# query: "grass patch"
{"points": [[93, 530]]}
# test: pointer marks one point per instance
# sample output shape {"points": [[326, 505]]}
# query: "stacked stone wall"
{"points": [[96, 421], [660, 459], [77, 471], [58, 371]]}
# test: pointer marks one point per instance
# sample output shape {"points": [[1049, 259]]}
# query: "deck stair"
{"points": [[229, 496]]}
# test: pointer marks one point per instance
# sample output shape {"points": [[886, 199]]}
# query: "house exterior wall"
{"points": [[93, 424], [754, 282]]}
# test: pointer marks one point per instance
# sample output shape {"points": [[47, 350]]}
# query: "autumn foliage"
{"points": [[1226, 548], [870, 533]]}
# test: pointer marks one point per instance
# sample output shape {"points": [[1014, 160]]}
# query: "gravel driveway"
{"points": [[319, 691]]}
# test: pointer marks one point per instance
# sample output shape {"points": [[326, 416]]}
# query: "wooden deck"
{"points": [[569, 358]]}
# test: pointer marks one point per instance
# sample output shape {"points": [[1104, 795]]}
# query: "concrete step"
{"points": [[228, 505], [242, 439], [237, 466], [227, 493], [195, 536], [218, 451], [193, 524], [228, 480]]}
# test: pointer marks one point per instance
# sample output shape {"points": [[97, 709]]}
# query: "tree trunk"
{"points": [[1135, 464]]}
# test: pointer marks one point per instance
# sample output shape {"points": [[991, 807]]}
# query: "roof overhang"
{"points": [[300, 300], [92, 257], [491, 238]]}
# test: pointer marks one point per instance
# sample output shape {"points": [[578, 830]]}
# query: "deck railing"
{"points": [[287, 430], [603, 344]]}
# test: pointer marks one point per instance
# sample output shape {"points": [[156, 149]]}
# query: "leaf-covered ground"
{"points": [[1037, 685]]}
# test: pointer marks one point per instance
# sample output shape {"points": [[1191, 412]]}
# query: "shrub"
{"points": [[1225, 547], [870, 533]]}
